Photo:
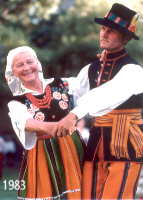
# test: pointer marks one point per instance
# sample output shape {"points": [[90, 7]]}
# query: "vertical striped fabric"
{"points": [[124, 125], [114, 180], [55, 173]]}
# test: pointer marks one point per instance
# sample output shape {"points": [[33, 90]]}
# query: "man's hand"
{"points": [[65, 126], [48, 127], [102, 55]]}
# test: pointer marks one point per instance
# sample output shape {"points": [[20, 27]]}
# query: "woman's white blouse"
{"points": [[96, 102]]}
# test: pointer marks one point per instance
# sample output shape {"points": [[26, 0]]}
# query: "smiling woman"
{"points": [[52, 166], [25, 67]]}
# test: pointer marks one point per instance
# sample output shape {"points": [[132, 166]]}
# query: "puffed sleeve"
{"points": [[82, 84], [105, 98], [70, 84], [19, 115], [78, 86]]}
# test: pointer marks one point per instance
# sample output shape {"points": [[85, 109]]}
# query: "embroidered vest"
{"points": [[59, 107], [97, 76], [111, 66]]}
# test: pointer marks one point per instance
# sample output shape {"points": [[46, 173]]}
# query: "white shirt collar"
{"points": [[24, 90]]}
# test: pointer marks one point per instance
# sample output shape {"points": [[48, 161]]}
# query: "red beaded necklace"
{"points": [[41, 103]]}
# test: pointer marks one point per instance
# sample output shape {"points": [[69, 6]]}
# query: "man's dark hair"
{"points": [[125, 35]]}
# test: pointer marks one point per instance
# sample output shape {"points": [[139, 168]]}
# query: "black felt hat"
{"points": [[120, 18]]}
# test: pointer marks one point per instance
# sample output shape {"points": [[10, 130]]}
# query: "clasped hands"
{"points": [[64, 127]]}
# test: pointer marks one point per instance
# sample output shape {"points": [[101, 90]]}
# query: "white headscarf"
{"points": [[14, 83]]}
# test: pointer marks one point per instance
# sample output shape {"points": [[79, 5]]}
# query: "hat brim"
{"points": [[111, 24]]}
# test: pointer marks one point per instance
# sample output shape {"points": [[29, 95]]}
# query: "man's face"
{"points": [[111, 40]]}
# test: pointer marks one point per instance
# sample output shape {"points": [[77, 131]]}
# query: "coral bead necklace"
{"points": [[41, 103]]}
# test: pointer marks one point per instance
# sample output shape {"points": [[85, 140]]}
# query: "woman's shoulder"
{"points": [[54, 81], [20, 98]]}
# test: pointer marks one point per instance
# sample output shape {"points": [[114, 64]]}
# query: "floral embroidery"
{"points": [[55, 89], [9, 78], [21, 91], [16, 124], [31, 111], [27, 102], [66, 84], [64, 97], [57, 95], [33, 107], [63, 104], [40, 116]]}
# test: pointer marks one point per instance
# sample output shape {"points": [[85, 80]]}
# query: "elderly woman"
{"points": [[51, 166]]}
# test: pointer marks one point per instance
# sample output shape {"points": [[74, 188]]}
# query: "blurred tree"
{"points": [[70, 39]]}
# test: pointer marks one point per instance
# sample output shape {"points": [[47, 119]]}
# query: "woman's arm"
{"points": [[18, 114], [25, 126], [40, 127]]}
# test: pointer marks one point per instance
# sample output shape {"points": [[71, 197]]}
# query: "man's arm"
{"points": [[105, 98]]}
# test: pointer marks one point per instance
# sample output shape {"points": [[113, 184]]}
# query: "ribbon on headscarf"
{"points": [[124, 125], [13, 82]]}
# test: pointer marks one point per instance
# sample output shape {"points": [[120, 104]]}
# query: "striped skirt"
{"points": [[52, 169]]}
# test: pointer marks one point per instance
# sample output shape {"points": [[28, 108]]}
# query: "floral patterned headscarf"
{"points": [[14, 83]]}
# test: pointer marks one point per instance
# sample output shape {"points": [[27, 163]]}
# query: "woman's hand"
{"points": [[48, 128], [66, 126]]}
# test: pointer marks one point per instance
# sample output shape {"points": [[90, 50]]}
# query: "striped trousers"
{"points": [[110, 180], [114, 179]]}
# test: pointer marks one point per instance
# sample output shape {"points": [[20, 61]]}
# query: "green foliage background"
{"points": [[64, 38]]}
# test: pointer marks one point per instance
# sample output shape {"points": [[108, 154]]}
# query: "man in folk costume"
{"points": [[114, 153]]}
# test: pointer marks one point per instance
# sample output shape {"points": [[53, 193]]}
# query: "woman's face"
{"points": [[25, 67]]}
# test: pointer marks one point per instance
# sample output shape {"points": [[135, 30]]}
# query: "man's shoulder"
{"points": [[130, 60]]}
